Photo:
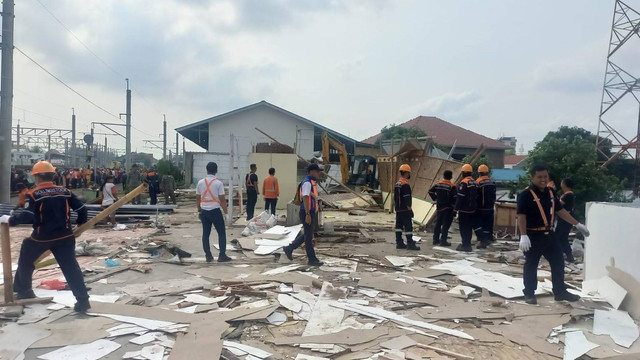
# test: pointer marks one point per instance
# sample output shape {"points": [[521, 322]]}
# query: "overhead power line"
{"points": [[66, 85]]}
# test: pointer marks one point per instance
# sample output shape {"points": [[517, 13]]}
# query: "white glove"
{"points": [[11, 213], [525, 243], [4, 219], [583, 229]]}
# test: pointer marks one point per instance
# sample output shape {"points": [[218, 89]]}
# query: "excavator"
{"points": [[363, 169]]}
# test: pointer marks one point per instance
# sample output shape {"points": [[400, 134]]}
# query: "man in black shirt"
{"points": [[444, 194], [563, 228], [538, 206], [251, 182], [404, 214], [466, 205]]}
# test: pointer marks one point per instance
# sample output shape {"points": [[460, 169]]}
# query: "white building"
{"points": [[214, 134]]}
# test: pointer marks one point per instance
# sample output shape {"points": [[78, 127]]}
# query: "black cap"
{"points": [[312, 167]]}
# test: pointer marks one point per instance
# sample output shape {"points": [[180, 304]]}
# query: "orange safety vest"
{"points": [[547, 225], [211, 198], [313, 201], [270, 187]]}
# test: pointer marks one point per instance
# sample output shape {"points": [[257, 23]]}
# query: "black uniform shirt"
{"points": [[402, 192], [527, 206], [444, 194], [251, 179]]}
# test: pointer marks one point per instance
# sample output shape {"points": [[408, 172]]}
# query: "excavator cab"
{"points": [[364, 172]]}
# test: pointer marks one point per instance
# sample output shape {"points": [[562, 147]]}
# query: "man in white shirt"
{"points": [[211, 203]]}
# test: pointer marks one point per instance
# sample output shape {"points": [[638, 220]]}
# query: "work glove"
{"points": [[11, 212], [525, 243], [583, 229], [4, 219]]}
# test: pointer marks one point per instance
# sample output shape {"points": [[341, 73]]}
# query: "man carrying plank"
{"points": [[49, 211]]}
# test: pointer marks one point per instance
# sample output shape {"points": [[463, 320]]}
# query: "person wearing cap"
{"points": [[538, 206], [308, 192], [404, 214], [48, 210], [486, 202], [466, 205], [444, 194]]}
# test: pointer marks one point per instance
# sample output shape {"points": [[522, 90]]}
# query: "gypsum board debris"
{"points": [[136, 208]]}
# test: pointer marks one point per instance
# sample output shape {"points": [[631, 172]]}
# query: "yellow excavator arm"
{"points": [[344, 159]]}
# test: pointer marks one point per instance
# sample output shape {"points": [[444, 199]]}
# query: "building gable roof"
{"points": [[203, 125], [514, 159], [446, 133]]}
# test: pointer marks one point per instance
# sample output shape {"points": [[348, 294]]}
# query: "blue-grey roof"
{"points": [[195, 132]]}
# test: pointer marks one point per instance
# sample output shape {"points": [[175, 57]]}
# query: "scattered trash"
{"points": [[53, 284], [111, 263]]}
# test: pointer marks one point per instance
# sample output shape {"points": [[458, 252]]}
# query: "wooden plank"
{"points": [[38, 300], [6, 263]]}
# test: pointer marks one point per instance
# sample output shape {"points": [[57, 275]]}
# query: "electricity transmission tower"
{"points": [[614, 140]]}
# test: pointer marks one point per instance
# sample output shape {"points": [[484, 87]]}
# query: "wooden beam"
{"points": [[6, 263]]}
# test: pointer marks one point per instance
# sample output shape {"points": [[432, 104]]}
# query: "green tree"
{"points": [[35, 149], [168, 167], [394, 131], [570, 153]]}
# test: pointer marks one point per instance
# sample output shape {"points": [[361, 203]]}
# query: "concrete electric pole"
{"points": [[6, 101], [74, 163], [128, 132], [164, 137]]}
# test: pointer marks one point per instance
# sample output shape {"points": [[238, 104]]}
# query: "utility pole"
{"points": [[66, 152], [230, 199], [18, 136], [184, 154], [164, 137], [49, 148], [6, 100], [177, 147], [74, 164], [106, 152], [128, 133]]}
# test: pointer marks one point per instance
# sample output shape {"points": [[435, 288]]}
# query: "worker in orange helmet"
{"points": [[49, 211], [466, 205], [404, 214], [486, 202]]}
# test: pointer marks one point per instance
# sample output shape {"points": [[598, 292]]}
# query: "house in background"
{"points": [[510, 141], [449, 136], [213, 135], [515, 161]]}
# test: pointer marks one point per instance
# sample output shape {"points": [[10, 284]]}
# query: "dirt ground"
{"points": [[183, 229]]}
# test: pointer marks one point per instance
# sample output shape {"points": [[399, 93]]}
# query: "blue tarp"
{"points": [[502, 175]]}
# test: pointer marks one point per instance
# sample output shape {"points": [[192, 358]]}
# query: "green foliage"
{"points": [[570, 153], [165, 167], [35, 149], [483, 160], [394, 131]]}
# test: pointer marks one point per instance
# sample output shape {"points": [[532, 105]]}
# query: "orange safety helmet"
{"points": [[405, 167], [483, 168], [467, 168], [42, 167]]}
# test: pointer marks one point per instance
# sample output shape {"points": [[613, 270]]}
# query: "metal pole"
{"points": [[184, 153], [74, 164], [128, 146], [66, 152], [230, 199], [164, 137], [6, 101], [106, 152], [177, 146], [18, 137]]}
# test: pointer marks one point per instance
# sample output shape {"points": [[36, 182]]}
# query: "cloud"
{"points": [[448, 105]]}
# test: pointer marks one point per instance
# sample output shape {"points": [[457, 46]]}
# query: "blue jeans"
{"points": [[65, 253], [307, 236], [213, 218]]}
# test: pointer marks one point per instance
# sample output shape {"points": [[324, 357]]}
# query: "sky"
{"points": [[496, 67]]}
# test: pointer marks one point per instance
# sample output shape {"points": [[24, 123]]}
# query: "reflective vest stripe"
{"points": [[547, 225], [208, 191]]}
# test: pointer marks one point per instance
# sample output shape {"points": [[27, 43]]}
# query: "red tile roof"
{"points": [[446, 133], [514, 159]]}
